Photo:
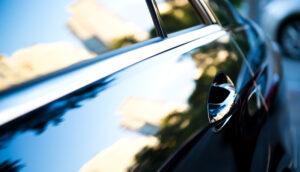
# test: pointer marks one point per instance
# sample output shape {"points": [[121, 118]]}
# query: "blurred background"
{"points": [[280, 21]]}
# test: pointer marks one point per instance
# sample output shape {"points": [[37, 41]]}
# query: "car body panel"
{"points": [[13, 105], [250, 148], [150, 110], [178, 78]]}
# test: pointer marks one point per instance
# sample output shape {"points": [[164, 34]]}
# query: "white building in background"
{"points": [[97, 27]]}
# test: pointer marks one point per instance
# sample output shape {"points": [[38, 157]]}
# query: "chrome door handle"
{"points": [[221, 99]]}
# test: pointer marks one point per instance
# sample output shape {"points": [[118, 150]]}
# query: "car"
{"points": [[201, 89], [284, 26]]}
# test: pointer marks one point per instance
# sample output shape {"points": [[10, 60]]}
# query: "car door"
{"points": [[137, 109], [258, 147]]}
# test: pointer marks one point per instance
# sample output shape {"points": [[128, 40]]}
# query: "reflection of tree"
{"points": [[231, 20], [225, 13], [236, 3], [178, 126], [123, 42], [53, 113], [247, 38], [8, 166], [178, 18]]}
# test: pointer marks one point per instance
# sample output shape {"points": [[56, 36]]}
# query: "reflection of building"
{"points": [[98, 27], [8, 76], [38, 60], [139, 114], [123, 152], [144, 115]]}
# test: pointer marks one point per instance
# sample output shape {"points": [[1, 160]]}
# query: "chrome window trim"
{"points": [[156, 18], [208, 11], [18, 103], [200, 7], [201, 11]]}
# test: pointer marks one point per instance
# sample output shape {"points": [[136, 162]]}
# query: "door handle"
{"points": [[221, 99]]}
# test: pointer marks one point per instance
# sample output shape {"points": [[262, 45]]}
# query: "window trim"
{"points": [[156, 18], [200, 9]]}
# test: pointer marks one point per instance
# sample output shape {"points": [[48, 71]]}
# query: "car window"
{"points": [[40, 37], [223, 11], [177, 15]]}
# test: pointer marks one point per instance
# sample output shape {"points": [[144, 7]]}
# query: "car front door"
{"points": [[136, 116]]}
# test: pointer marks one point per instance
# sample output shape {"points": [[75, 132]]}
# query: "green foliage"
{"points": [[180, 17], [236, 3], [177, 127], [123, 42]]}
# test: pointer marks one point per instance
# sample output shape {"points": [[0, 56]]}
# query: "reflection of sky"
{"points": [[24, 23], [64, 147], [28, 22], [87, 130]]}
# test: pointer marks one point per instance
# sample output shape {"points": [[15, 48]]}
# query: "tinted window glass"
{"points": [[39, 37], [224, 12], [177, 15]]}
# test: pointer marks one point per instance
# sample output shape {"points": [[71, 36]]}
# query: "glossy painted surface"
{"points": [[251, 141], [79, 30], [160, 100], [137, 118], [177, 15], [49, 88]]}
